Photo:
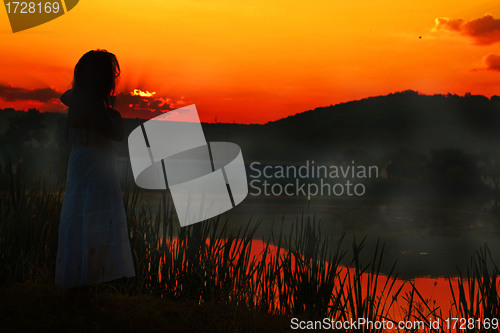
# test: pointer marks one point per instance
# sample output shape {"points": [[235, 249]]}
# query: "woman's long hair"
{"points": [[93, 88]]}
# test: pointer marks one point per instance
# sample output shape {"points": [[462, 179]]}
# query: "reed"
{"points": [[476, 293], [29, 231], [297, 274]]}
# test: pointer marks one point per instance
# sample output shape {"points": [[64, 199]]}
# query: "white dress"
{"points": [[93, 237]]}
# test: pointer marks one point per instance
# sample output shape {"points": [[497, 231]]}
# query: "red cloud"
{"points": [[492, 62], [10, 94], [145, 105], [137, 104], [484, 30]]}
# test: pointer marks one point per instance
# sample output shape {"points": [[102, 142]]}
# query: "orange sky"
{"points": [[260, 60]]}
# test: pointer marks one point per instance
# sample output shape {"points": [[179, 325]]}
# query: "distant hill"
{"points": [[404, 120], [407, 117], [374, 125]]}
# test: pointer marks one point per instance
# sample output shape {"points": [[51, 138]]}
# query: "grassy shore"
{"points": [[36, 307], [203, 278]]}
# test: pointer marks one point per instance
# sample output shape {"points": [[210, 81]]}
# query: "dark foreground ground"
{"points": [[31, 307]]}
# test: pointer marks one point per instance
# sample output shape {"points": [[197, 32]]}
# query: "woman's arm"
{"points": [[111, 125], [66, 97]]}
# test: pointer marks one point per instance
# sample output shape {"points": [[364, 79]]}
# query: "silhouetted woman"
{"points": [[93, 238]]}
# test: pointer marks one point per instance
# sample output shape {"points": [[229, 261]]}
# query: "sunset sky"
{"points": [[260, 60]]}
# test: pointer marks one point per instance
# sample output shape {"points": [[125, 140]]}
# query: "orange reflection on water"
{"points": [[422, 297]]}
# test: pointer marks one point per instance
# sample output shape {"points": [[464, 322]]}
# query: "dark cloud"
{"points": [[492, 62], [130, 104], [12, 94], [146, 107], [484, 30], [140, 107]]}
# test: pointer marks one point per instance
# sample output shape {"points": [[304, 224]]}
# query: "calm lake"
{"points": [[427, 237]]}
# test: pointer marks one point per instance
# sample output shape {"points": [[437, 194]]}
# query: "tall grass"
{"points": [[298, 274], [29, 222], [476, 294]]}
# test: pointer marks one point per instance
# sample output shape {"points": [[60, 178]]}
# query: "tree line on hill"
{"points": [[449, 141]]}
